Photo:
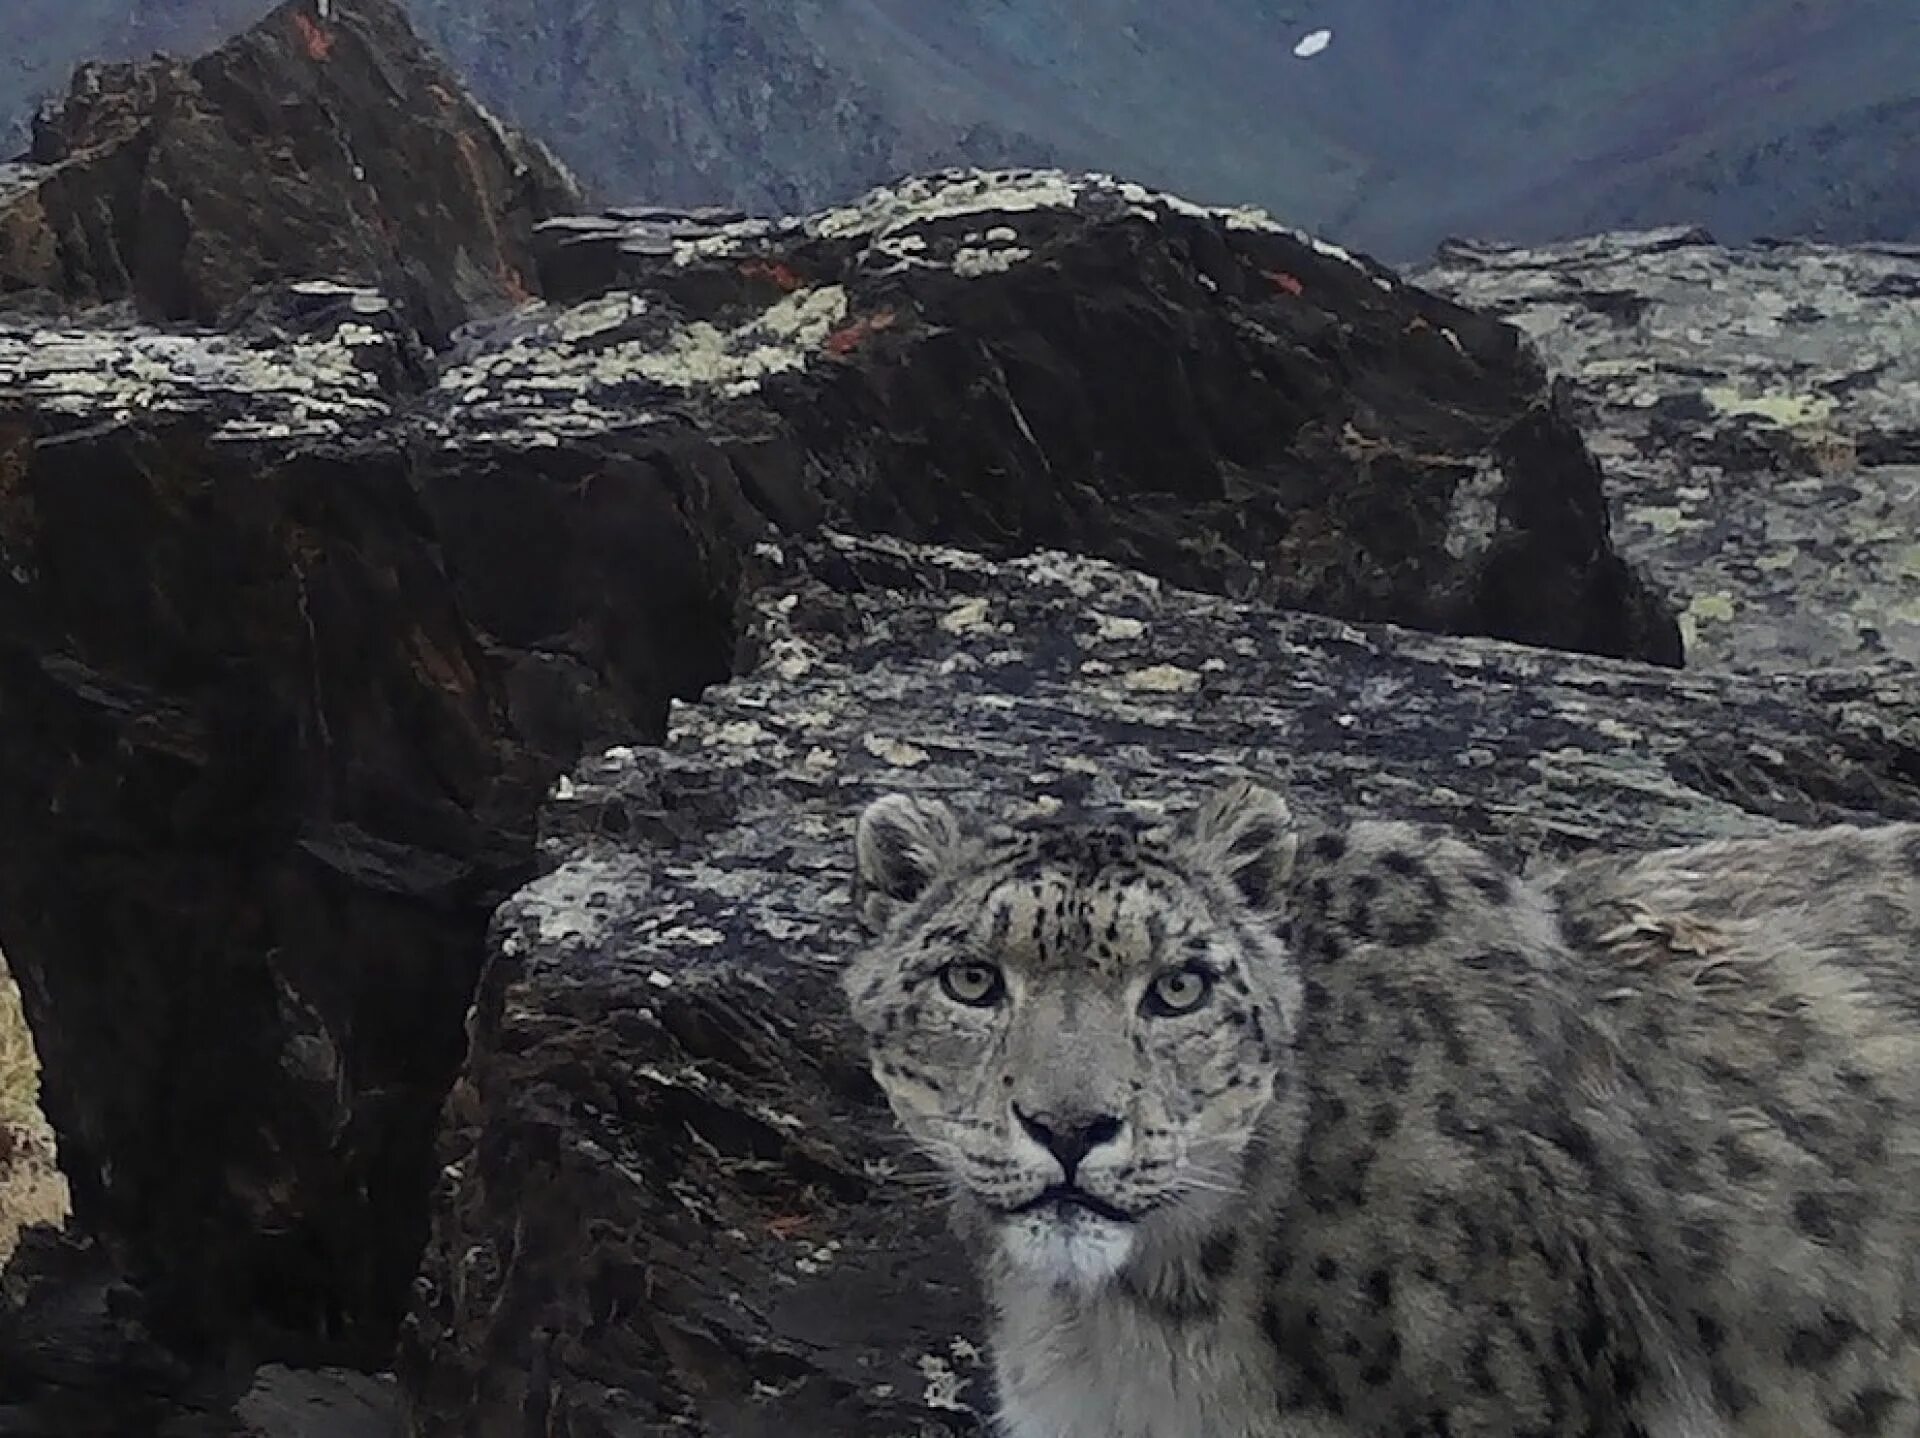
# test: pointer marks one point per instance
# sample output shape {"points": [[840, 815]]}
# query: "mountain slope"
{"points": [[1487, 117]]}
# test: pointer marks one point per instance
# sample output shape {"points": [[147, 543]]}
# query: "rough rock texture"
{"points": [[1020, 358], [258, 798], [298, 618], [1757, 412], [326, 141], [671, 1201]]}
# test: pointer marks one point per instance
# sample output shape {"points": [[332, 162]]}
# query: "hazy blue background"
{"points": [[1517, 119]]}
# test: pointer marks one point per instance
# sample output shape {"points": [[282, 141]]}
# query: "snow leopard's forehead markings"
{"points": [[1085, 1009]]}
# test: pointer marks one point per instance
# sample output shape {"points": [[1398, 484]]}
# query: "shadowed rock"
{"points": [[671, 1200]]}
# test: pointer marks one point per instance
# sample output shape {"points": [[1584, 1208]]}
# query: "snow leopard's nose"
{"points": [[1069, 1137]]}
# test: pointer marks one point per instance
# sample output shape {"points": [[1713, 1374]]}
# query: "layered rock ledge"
{"points": [[670, 1199]]}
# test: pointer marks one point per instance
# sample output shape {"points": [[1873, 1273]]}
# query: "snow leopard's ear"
{"points": [[1246, 834], [901, 844]]}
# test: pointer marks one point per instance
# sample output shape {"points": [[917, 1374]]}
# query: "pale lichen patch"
{"points": [[965, 617], [1162, 679], [1786, 410], [897, 752], [970, 263], [581, 902], [951, 194], [943, 1385]]}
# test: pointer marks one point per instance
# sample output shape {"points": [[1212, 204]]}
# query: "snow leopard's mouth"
{"points": [[1066, 1198]]}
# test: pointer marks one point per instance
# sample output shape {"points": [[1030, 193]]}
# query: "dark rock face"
{"points": [[670, 1200], [326, 141], [257, 807], [80, 1363], [1758, 414]]}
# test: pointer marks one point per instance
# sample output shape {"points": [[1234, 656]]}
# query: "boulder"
{"points": [[1757, 411], [670, 1199], [325, 142]]}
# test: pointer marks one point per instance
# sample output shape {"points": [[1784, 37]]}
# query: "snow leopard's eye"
{"points": [[1177, 991], [970, 982]]}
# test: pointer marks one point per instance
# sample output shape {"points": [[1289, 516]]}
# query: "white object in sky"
{"points": [[1313, 43]]}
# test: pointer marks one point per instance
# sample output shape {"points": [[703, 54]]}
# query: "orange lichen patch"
{"points": [[776, 272], [1285, 282], [510, 279], [849, 337], [315, 38], [446, 671], [514, 284], [788, 1225]]}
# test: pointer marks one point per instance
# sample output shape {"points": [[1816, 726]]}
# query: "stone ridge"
{"points": [[659, 1042], [997, 358], [956, 223], [905, 222], [1758, 414], [298, 617]]}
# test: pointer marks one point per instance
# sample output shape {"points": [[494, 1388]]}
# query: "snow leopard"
{"points": [[1259, 1126]]}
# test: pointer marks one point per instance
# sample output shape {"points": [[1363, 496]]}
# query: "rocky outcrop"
{"points": [[670, 1199], [1019, 358], [259, 795], [298, 618], [1757, 412], [325, 142]]}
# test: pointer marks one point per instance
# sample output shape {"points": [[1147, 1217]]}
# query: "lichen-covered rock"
{"points": [[1757, 412], [1004, 359], [326, 141], [313, 360], [671, 1201]]}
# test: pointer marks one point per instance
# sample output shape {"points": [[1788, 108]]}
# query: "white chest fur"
{"points": [[1105, 1366]]}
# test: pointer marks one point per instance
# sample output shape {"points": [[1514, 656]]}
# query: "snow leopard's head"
{"points": [[1081, 1024]]}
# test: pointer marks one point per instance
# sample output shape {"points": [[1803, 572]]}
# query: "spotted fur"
{"points": [[1633, 1149]]}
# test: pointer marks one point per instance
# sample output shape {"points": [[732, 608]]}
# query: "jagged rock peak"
{"points": [[325, 141]]}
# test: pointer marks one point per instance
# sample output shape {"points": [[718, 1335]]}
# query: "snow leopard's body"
{"points": [[1259, 1132]]}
